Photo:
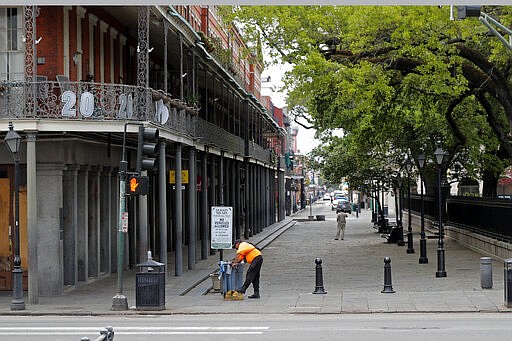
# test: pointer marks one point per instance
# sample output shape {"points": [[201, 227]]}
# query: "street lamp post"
{"points": [[441, 272], [13, 141], [400, 241], [423, 242], [408, 168]]}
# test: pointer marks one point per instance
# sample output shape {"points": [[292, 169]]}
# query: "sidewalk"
{"points": [[353, 272]]}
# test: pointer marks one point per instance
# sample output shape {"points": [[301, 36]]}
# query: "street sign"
{"points": [[184, 176], [124, 222], [222, 230]]}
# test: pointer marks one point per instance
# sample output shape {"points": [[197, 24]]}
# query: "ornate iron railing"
{"points": [[210, 134], [66, 100], [259, 153], [93, 101]]}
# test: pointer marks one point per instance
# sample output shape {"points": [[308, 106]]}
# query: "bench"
{"points": [[396, 234]]}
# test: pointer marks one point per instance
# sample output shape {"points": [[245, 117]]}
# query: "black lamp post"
{"points": [[441, 272], [13, 141], [400, 241], [408, 168], [423, 242]]}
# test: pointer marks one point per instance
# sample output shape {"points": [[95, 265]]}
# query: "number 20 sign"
{"points": [[86, 106]]}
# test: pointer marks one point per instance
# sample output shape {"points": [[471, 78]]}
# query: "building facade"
{"points": [[77, 83]]}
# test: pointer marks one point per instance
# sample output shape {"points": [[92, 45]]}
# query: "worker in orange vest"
{"points": [[248, 252]]}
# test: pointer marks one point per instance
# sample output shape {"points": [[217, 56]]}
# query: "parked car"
{"points": [[343, 206], [327, 196], [334, 203]]}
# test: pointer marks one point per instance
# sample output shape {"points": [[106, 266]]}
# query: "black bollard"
{"points": [[388, 288], [319, 287]]}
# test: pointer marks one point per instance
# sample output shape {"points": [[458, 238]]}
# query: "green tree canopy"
{"points": [[396, 80]]}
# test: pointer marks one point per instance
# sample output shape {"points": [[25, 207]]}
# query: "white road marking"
{"points": [[199, 330]]}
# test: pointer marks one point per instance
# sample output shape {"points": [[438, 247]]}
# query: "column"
{"points": [[178, 240], [212, 189], [205, 228], [281, 214], [92, 25], [49, 201], [65, 36], [32, 229], [192, 209], [93, 218], [103, 30], [238, 200], [80, 14], [122, 44], [113, 35], [82, 224], [105, 211], [162, 203], [70, 210]]}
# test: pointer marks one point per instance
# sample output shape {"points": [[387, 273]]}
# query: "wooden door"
{"points": [[6, 235]]}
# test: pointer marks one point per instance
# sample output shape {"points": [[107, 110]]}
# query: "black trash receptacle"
{"points": [[150, 286]]}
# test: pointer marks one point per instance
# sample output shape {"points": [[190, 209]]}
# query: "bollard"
{"points": [[508, 282], [319, 287], [388, 288], [486, 272]]}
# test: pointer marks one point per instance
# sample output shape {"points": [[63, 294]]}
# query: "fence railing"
{"points": [[490, 217], [66, 100], [486, 216]]}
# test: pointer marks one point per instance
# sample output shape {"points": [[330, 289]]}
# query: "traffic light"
{"points": [[137, 185], [464, 12], [147, 148]]}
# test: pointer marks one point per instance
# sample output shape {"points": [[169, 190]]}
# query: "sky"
{"points": [[305, 137]]}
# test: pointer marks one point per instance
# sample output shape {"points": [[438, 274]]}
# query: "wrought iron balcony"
{"points": [[81, 101]]}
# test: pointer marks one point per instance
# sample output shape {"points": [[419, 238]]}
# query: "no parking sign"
{"points": [[222, 227]]}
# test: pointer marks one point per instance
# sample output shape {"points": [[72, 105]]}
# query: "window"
{"points": [[12, 54]]}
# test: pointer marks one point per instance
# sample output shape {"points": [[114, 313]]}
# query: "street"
{"points": [[384, 327]]}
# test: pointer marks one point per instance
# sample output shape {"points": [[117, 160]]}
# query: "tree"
{"points": [[394, 79]]}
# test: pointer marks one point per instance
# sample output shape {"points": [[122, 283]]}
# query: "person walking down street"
{"points": [[248, 252], [342, 221]]}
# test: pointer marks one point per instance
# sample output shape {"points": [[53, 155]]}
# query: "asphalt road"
{"points": [[225, 327]]}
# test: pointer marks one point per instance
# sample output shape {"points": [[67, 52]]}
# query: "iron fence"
{"points": [[486, 216], [490, 217]]}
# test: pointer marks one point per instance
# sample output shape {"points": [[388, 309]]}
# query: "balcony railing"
{"points": [[93, 101], [66, 100], [210, 134]]}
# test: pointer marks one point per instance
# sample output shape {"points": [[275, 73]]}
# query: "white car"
{"points": [[327, 196]]}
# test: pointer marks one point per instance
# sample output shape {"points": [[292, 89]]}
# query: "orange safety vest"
{"points": [[248, 251]]}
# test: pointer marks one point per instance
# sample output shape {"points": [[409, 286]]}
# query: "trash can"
{"points": [[508, 282], [215, 281], [150, 286], [486, 272], [231, 278]]}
